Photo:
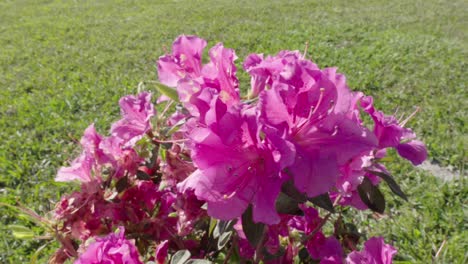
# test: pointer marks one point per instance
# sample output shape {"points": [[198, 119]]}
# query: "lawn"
{"points": [[65, 64]]}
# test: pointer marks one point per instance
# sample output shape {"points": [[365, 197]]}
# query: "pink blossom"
{"points": [[414, 151], [236, 167], [392, 133], [80, 169], [136, 113], [161, 252], [301, 105], [185, 60], [84, 168], [111, 249], [375, 251]]}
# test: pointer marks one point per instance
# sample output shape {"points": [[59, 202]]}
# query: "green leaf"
{"points": [[287, 205], [222, 227], [371, 196], [198, 261], [38, 251], [391, 183], [21, 232], [290, 190], [213, 224], [180, 257], [224, 238], [253, 231], [166, 90], [323, 201]]}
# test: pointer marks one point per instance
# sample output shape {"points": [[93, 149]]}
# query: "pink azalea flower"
{"points": [[236, 167], [301, 104], [161, 252], [80, 169], [122, 158], [112, 249], [136, 113], [414, 151], [185, 60], [197, 84], [391, 133], [220, 74], [375, 251], [320, 247]]}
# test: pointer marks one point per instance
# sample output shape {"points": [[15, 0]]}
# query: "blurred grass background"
{"points": [[65, 64]]}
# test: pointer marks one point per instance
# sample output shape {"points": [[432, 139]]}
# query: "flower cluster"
{"points": [[217, 177]]}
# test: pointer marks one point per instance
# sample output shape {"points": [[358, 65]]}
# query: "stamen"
{"points": [[168, 105], [312, 112], [396, 110], [305, 50], [170, 141], [402, 124], [322, 91]]}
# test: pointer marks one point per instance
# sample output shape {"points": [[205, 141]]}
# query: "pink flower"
{"points": [[136, 113], [392, 133], [80, 169], [235, 166], [414, 151], [301, 105], [375, 251], [161, 252], [112, 249], [197, 84], [185, 60]]}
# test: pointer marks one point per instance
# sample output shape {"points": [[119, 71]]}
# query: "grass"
{"points": [[65, 64]]}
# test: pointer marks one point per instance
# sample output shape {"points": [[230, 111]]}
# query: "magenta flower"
{"points": [[197, 84], [112, 249], [161, 252], [301, 104], [185, 60], [236, 167], [414, 151], [80, 169], [392, 133], [220, 74], [136, 113], [375, 251]]}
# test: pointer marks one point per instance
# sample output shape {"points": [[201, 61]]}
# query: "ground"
{"points": [[65, 64]]}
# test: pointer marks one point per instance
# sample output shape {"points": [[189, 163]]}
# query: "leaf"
{"points": [[180, 257], [290, 190], [122, 184], [222, 227], [323, 201], [253, 231], [391, 183], [224, 239], [21, 232], [287, 205], [198, 261], [213, 224], [166, 90], [38, 251], [371, 196], [304, 255]]}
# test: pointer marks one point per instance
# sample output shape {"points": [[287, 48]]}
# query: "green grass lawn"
{"points": [[65, 64]]}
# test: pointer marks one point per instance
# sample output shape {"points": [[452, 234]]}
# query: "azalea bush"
{"points": [[193, 172]]}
